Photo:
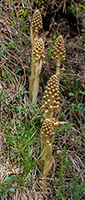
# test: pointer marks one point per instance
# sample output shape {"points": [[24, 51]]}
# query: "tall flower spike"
{"points": [[50, 105], [51, 97], [37, 55], [59, 54]]}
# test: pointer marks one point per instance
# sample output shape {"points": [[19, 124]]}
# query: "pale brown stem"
{"points": [[60, 112], [58, 69], [31, 81], [35, 88], [35, 72], [48, 115], [46, 159]]}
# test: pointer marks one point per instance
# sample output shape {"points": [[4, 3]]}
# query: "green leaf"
{"points": [[3, 184], [8, 50], [5, 42], [15, 25], [80, 6], [69, 102], [11, 189], [71, 94], [80, 92], [63, 114], [11, 13], [24, 14], [11, 178], [64, 148], [18, 70], [2, 45], [72, 6], [1, 92]]}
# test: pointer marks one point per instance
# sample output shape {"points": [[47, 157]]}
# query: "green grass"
{"points": [[21, 142], [67, 188]]}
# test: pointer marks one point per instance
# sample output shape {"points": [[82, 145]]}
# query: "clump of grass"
{"points": [[18, 153], [65, 186]]}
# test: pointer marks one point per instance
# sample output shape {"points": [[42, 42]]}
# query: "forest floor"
{"points": [[66, 179]]}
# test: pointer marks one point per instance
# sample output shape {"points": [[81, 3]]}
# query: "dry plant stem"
{"points": [[35, 72], [35, 88], [46, 148], [31, 78], [60, 112], [58, 74], [59, 71], [47, 160], [36, 81], [48, 115], [37, 53], [32, 36], [51, 104], [34, 78]]}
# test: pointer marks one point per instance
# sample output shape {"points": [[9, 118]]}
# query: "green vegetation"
{"points": [[21, 138], [78, 10], [73, 189]]}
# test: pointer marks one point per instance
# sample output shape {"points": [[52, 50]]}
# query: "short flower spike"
{"points": [[37, 55], [59, 49], [36, 22], [59, 55]]}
